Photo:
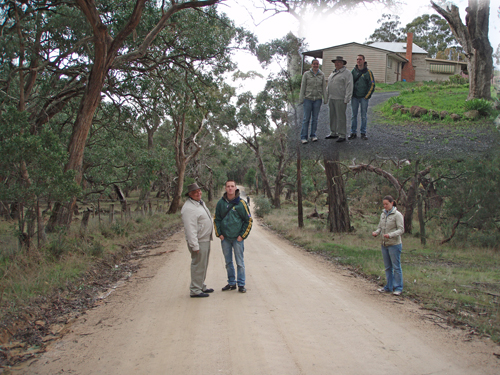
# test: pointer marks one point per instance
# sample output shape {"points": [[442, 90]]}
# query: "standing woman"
{"points": [[312, 93], [391, 226]]}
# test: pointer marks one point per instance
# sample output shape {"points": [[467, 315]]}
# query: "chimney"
{"points": [[409, 47], [408, 72]]}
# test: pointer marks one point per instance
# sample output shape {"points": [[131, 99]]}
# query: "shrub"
{"points": [[457, 79], [264, 206], [483, 106]]}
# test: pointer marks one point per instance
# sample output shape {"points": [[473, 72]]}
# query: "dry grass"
{"points": [[462, 282]]}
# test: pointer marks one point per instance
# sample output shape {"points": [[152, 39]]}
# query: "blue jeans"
{"points": [[355, 103], [311, 107], [393, 271], [228, 246]]}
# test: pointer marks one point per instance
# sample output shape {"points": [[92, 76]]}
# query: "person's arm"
{"points": [[324, 90], [371, 84], [302, 89], [379, 228], [190, 221], [217, 221], [247, 220], [348, 88]]}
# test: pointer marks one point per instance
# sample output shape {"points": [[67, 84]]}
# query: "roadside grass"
{"points": [[66, 256], [432, 96], [460, 282]]}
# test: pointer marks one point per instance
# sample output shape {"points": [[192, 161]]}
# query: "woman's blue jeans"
{"points": [[311, 108], [393, 271], [228, 247]]}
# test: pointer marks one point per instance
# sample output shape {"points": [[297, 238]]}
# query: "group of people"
{"points": [[337, 91], [233, 223]]}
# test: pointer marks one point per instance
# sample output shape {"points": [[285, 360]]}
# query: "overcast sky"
{"points": [[353, 26]]}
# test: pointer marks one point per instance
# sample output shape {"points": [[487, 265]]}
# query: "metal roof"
{"points": [[318, 54], [398, 47]]}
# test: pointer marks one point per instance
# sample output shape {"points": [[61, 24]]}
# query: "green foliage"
{"points": [[430, 32], [483, 106], [457, 79], [264, 206]]}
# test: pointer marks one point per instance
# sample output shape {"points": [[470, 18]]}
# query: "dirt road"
{"points": [[301, 315]]}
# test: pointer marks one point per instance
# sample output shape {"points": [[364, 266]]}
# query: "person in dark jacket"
{"points": [[233, 223], [364, 85]]}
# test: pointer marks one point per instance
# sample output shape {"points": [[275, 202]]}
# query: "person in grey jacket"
{"points": [[312, 93], [339, 93], [391, 227], [198, 229]]}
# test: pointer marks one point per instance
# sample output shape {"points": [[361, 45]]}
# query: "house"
{"points": [[391, 61]]}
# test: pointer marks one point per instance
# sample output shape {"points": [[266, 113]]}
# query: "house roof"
{"points": [[318, 54], [446, 61], [398, 47]]}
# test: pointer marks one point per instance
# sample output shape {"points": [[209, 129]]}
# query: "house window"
{"points": [[442, 68], [389, 62]]}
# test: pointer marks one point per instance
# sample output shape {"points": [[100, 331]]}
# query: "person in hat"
{"points": [[364, 85], [198, 229], [233, 223], [312, 93], [339, 93]]}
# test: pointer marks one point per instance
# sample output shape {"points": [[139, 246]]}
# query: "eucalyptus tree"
{"points": [[473, 37], [54, 52]]}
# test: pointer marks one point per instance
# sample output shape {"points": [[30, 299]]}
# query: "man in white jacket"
{"points": [[198, 229], [339, 92]]}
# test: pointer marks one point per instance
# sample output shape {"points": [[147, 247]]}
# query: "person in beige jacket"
{"points": [[391, 227], [198, 230], [339, 93], [312, 93]]}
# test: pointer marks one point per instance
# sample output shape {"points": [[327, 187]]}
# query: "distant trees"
{"points": [[430, 32]]}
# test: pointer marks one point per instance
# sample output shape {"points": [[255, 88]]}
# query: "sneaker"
{"points": [[397, 293], [352, 136], [229, 287], [242, 289], [341, 140], [304, 141], [382, 290], [364, 137], [314, 139]]}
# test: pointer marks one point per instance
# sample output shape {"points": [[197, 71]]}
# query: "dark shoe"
{"points": [[229, 287], [364, 137], [200, 295], [209, 290], [352, 136], [331, 136], [341, 140], [242, 289]]}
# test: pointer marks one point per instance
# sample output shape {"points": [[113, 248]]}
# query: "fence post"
{"points": [[111, 213]]}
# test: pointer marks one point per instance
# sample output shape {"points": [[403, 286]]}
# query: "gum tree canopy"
{"points": [[473, 37]]}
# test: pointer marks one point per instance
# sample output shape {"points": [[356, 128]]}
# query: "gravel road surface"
{"points": [[301, 315]]}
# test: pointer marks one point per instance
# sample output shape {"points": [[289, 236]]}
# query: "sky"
{"points": [[352, 26]]}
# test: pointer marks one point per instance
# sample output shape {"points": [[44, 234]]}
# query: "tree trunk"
{"points": [[473, 37], [421, 219], [175, 205], [299, 191], [338, 210]]}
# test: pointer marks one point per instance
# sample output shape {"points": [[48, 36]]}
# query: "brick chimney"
{"points": [[408, 72]]}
